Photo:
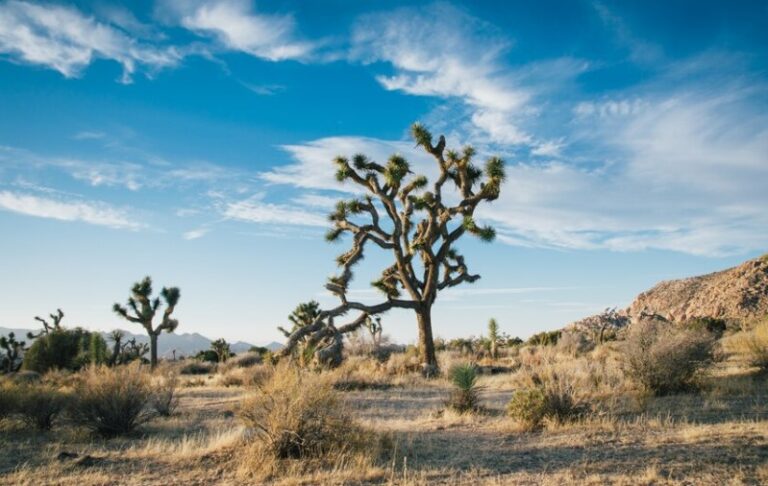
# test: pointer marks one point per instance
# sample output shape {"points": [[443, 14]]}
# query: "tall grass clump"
{"points": [[661, 359], [300, 422], [112, 401], [752, 345], [464, 397]]}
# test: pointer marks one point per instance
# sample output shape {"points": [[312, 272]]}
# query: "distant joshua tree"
{"points": [[13, 349], [221, 348], [493, 338], [424, 260], [55, 324], [144, 308]]}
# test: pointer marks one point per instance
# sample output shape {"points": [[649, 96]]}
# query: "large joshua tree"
{"points": [[144, 308], [419, 224]]}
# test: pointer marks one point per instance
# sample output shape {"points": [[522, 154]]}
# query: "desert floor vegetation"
{"points": [[554, 416]]}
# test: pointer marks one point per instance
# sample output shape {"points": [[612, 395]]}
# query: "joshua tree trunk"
{"points": [[426, 343], [153, 350]]}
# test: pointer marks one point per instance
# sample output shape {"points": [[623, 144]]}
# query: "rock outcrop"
{"points": [[738, 294]]}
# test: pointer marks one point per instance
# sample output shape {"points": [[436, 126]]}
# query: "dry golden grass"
{"points": [[717, 435]]}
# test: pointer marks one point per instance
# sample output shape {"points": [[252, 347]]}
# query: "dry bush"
{"points": [[299, 420], [401, 364], [248, 377], [112, 401], [549, 396], [574, 343], [40, 405], [26, 377], [165, 399], [752, 345], [661, 359]]}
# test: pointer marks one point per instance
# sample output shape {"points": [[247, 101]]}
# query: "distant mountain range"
{"points": [[186, 344]]}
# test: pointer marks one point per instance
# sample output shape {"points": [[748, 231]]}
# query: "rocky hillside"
{"points": [[736, 294]]}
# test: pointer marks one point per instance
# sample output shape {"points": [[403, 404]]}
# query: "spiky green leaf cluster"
{"points": [[397, 168], [485, 233], [421, 135], [464, 377], [333, 234]]}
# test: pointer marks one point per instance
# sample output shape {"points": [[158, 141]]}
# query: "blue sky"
{"points": [[191, 141]]}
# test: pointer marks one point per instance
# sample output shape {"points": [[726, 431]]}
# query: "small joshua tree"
{"points": [[54, 325], [373, 324], [144, 308], [13, 349], [419, 226], [493, 337], [221, 348]]}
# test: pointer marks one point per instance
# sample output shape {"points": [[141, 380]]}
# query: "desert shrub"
{"points": [[555, 401], [39, 405], [165, 400], [208, 356], [464, 397], [574, 343], [753, 345], [298, 415], [8, 399], [528, 406], [112, 401], [400, 364], [546, 338], [232, 378], [26, 377], [66, 349], [661, 359], [246, 360], [197, 368], [711, 325]]}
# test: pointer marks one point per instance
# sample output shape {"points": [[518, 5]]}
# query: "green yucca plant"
{"points": [[464, 397]]}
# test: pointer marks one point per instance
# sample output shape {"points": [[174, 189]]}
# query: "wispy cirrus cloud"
{"points": [[91, 212], [256, 210], [439, 50], [236, 25], [65, 39]]}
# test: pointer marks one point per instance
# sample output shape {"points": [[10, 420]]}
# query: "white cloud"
{"points": [[255, 210], [441, 51], [195, 233], [64, 39], [88, 212], [236, 25], [314, 168], [684, 173]]}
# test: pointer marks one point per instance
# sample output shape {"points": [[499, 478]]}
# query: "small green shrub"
{"points": [[112, 401], [464, 397], [39, 405], [528, 406]]}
